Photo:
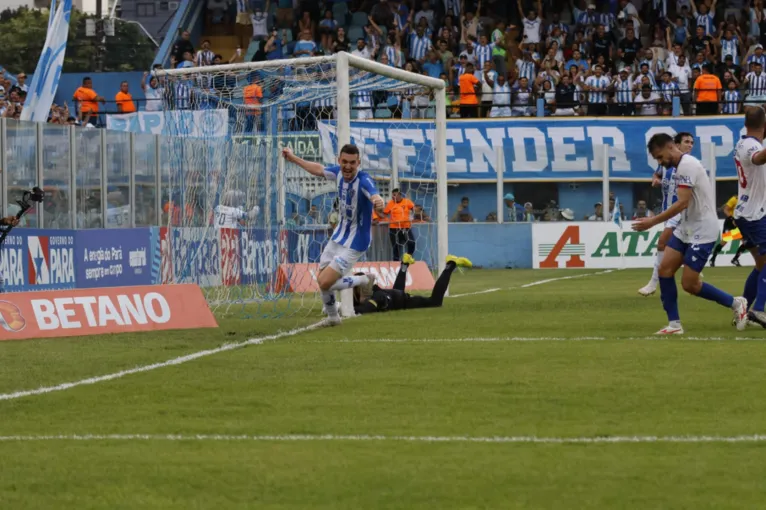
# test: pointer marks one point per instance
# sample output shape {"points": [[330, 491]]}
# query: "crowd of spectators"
{"points": [[625, 57]]}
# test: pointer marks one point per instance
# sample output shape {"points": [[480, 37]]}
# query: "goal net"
{"points": [[247, 226]]}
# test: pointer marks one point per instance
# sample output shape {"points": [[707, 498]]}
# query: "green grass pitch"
{"points": [[442, 390]]}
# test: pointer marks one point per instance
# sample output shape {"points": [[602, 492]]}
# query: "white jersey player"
{"points": [[692, 240], [664, 177], [750, 212], [229, 216], [351, 238]]}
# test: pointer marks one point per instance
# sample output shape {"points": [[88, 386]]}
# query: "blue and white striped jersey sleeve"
{"points": [[331, 172], [367, 186]]}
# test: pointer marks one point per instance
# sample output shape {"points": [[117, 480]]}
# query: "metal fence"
{"points": [[91, 177]]}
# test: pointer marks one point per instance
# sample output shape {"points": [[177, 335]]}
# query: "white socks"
{"points": [[328, 298], [657, 262], [348, 282]]}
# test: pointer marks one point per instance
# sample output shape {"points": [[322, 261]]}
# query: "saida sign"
{"points": [[602, 245]]}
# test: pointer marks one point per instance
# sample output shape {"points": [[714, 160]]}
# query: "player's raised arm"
{"points": [[316, 169]]}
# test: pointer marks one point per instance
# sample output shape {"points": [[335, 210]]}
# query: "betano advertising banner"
{"points": [[561, 149], [602, 245]]}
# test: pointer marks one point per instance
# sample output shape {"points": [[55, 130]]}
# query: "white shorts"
{"points": [[673, 222], [500, 111], [340, 258]]}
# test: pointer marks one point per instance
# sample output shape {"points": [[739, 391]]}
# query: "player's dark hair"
{"points": [[659, 140], [351, 150], [680, 137], [755, 117]]}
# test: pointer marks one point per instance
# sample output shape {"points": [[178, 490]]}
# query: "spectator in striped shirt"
{"points": [[644, 73], [526, 67], [623, 93], [597, 86], [669, 89], [755, 81], [704, 16], [523, 97], [204, 55], [757, 56], [732, 99], [483, 51], [729, 45], [420, 44]]}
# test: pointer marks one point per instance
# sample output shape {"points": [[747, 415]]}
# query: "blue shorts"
{"points": [[695, 255], [754, 232]]}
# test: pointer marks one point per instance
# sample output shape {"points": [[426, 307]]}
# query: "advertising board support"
{"points": [[3, 163], [158, 178], [104, 183], [712, 172], [73, 177], [605, 182], [500, 172], [132, 180]]}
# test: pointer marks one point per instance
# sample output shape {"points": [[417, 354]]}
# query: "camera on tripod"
{"points": [[27, 197]]}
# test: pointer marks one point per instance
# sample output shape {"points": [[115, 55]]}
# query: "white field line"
{"points": [[549, 280], [755, 438], [656, 338], [147, 368], [228, 347], [533, 284]]}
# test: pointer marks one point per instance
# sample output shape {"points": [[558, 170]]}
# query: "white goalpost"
{"points": [[228, 124]]}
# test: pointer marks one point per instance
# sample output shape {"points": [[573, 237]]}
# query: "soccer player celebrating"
{"points": [[692, 240], [750, 212], [384, 300], [664, 177], [357, 196], [229, 215]]}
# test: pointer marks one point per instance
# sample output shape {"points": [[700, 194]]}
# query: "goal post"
{"points": [[293, 99]]}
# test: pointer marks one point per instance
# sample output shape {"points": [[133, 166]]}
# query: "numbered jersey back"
{"points": [[228, 217], [751, 195]]}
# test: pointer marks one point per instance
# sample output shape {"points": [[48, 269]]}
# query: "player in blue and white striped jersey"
{"points": [[663, 178], [597, 86], [357, 196]]}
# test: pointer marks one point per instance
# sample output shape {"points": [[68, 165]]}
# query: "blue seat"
{"points": [[382, 113], [355, 33], [359, 19], [340, 13]]}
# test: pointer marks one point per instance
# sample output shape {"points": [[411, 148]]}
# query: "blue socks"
{"points": [[760, 298], [715, 294], [669, 297], [751, 287]]}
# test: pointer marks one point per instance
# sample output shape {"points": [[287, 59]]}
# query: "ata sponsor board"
{"points": [[77, 312], [113, 257], [598, 244], [303, 277], [536, 149]]}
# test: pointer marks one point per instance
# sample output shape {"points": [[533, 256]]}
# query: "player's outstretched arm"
{"points": [[316, 169], [378, 204]]}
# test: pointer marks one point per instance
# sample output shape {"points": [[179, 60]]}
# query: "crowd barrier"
{"points": [[45, 259]]}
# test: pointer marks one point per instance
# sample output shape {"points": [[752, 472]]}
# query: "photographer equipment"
{"points": [[29, 196]]}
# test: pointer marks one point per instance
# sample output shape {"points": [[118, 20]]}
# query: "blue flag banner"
{"points": [[48, 72], [617, 215], [560, 149]]}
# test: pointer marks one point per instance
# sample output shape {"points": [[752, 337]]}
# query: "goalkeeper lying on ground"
{"points": [[370, 299]]}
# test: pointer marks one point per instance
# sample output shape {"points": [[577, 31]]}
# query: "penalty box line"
{"points": [[656, 338], [754, 438]]}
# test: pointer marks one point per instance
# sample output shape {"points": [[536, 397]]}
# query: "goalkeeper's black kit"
{"points": [[384, 300]]}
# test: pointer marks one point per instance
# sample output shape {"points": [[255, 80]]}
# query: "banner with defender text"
{"points": [[602, 245], [560, 149], [79, 312]]}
